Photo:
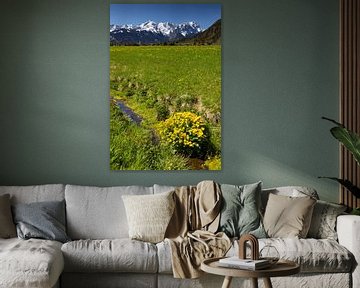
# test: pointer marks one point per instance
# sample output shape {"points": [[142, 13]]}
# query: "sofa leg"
{"points": [[227, 282], [267, 283]]}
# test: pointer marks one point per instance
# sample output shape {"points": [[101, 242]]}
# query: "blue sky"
{"points": [[203, 14]]}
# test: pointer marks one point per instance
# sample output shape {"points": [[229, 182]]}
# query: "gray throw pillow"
{"points": [[240, 213], [7, 226], [323, 222], [44, 220]]}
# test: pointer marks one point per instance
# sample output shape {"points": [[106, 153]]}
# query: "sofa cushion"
{"points": [[163, 188], [287, 216], [30, 263], [149, 215], [164, 257], [36, 193], [98, 213], [109, 280], [7, 226], [116, 255], [313, 255]]}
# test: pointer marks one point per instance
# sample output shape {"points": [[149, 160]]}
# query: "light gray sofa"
{"points": [[101, 254]]}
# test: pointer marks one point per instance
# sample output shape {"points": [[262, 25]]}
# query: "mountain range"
{"points": [[210, 36], [151, 32]]}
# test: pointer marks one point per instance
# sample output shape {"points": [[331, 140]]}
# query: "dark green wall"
{"points": [[280, 75]]}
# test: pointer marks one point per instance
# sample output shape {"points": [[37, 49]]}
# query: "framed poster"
{"points": [[165, 86]]}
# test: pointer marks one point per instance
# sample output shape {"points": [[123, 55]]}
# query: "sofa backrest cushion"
{"points": [[163, 188], [292, 191], [7, 226], [36, 193], [98, 212]]}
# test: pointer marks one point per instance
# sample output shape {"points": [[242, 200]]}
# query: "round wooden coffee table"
{"points": [[281, 268]]}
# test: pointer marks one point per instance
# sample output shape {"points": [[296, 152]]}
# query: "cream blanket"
{"points": [[191, 231]]}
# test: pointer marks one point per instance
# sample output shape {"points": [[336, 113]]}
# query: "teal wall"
{"points": [[280, 75]]}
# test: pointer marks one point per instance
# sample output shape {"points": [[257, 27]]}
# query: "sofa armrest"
{"points": [[348, 230]]}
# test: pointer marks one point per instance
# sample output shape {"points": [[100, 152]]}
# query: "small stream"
{"points": [[195, 164], [129, 112]]}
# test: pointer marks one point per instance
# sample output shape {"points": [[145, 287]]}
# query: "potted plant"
{"points": [[351, 141]]}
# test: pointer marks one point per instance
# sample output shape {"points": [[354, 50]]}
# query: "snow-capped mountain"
{"points": [[151, 32]]}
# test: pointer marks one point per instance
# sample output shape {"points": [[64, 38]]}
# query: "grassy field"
{"points": [[156, 82]]}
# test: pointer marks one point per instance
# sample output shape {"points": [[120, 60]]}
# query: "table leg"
{"points": [[254, 282], [267, 283], [227, 282]]}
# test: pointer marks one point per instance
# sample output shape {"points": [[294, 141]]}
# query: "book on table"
{"points": [[249, 264]]}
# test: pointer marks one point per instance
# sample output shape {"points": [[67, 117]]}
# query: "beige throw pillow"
{"points": [[149, 215], [288, 217], [7, 226]]}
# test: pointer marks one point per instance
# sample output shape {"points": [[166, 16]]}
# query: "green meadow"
{"points": [[155, 82]]}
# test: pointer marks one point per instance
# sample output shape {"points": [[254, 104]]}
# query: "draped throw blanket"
{"points": [[191, 231]]}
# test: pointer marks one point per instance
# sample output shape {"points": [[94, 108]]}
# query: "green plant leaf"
{"points": [[347, 184], [333, 121], [355, 211], [348, 138]]}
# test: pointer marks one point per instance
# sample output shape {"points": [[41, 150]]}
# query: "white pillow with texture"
{"points": [[323, 222], [149, 215]]}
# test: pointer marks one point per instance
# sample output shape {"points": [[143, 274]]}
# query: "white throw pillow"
{"points": [[149, 215]]}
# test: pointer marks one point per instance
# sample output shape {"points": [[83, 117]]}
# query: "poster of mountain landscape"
{"points": [[165, 86]]}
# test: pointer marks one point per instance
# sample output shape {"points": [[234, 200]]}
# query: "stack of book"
{"points": [[248, 264]]}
